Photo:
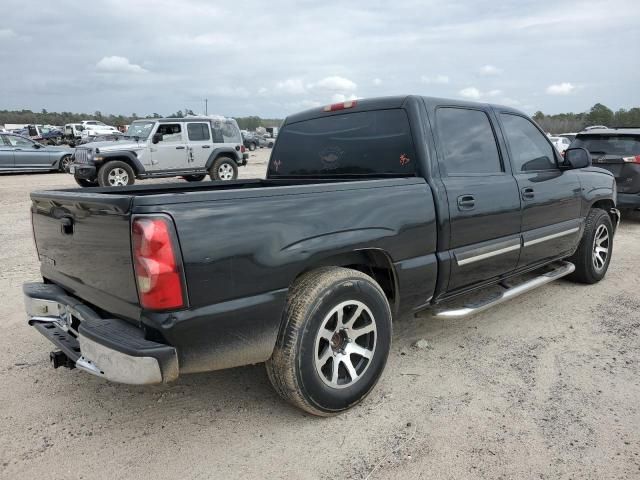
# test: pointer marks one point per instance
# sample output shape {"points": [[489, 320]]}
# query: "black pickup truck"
{"points": [[370, 210]]}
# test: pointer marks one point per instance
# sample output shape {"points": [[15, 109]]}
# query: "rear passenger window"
{"points": [[529, 148], [198, 132], [469, 145]]}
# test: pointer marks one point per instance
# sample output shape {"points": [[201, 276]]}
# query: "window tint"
{"points": [[468, 142], [198, 131], [171, 132], [360, 143], [622, 145], [19, 141], [529, 148]]}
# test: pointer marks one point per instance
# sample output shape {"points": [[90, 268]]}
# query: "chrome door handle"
{"points": [[180, 148], [206, 146]]}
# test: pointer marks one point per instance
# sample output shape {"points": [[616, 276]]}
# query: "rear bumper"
{"points": [[105, 347], [628, 200]]}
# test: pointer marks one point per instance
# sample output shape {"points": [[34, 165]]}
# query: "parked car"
{"points": [[18, 153], [594, 127], [570, 136], [616, 150], [251, 140], [561, 143], [73, 133], [93, 128], [168, 147], [368, 212], [54, 136]]}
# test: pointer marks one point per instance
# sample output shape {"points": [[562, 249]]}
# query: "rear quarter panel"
{"points": [[597, 184], [242, 254]]}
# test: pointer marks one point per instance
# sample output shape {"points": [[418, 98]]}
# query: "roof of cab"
{"points": [[610, 131], [382, 103]]}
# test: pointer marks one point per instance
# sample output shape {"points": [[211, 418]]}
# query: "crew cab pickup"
{"points": [[370, 210]]}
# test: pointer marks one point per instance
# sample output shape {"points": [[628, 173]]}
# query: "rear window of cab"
{"points": [[372, 143]]}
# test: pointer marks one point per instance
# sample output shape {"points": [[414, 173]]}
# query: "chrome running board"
{"points": [[561, 269]]}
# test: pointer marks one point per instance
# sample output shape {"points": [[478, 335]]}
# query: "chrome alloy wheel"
{"points": [[345, 344], [600, 247], [118, 177], [225, 172], [65, 163]]}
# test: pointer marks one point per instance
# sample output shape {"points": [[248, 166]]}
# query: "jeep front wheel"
{"points": [[334, 343], [116, 174]]}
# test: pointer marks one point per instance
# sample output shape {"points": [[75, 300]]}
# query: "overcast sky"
{"points": [[274, 58]]}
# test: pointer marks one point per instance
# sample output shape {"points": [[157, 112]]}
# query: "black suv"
{"points": [[616, 150]]}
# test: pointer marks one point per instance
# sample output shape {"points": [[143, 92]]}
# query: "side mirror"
{"points": [[157, 137], [576, 158]]}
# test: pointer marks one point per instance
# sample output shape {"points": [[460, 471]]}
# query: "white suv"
{"points": [[190, 147]]}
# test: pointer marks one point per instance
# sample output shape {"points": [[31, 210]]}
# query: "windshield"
{"points": [[620, 145], [140, 130]]}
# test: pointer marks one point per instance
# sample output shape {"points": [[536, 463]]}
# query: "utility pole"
{"points": [[206, 101]]}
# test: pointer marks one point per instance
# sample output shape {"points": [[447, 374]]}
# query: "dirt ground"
{"points": [[546, 386]]}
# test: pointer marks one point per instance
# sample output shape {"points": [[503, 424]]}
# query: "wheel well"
{"points": [[126, 160], [373, 262], [606, 205]]}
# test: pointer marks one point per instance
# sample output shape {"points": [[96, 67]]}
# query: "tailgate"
{"points": [[627, 174], [83, 243]]}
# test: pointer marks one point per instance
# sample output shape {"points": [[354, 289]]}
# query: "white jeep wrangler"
{"points": [[190, 147]]}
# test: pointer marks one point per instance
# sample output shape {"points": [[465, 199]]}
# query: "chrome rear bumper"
{"points": [[108, 348]]}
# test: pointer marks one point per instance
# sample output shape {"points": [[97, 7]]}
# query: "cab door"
{"points": [[170, 153], [199, 144], [551, 198], [482, 195]]}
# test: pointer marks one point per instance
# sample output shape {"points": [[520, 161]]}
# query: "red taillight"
{"points": [[156, 264], [242, 149], [635, 159], [340, 106]]}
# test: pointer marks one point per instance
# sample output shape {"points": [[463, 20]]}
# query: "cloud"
{"points": [[291, 86], [117, 64], [335, 83], [494, 93], [437, 79], [490, 70], [377, 82], [341, 97], [470, 92], [564, 88], [7, 33]]}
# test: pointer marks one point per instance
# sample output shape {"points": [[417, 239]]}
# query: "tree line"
{"points": [[599, 114], [45, 117]]}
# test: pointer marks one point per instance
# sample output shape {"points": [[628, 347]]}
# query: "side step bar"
{"points": [[561, 269]]}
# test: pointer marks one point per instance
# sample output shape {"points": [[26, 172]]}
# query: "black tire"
{"points": [[588, 269], [86, 183], [115, 174], [292, 367], [65, 163], [194, 178], [252, 146], [224, 168]]}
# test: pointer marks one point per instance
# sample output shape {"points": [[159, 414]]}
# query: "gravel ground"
{"points": [[545, 386]]}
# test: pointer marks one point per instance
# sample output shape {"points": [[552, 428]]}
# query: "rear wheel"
{"points": [[65, 163], [224, 168], [116, 174], [252, 146], [334, 343], [594, 251], [194, 178]]}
